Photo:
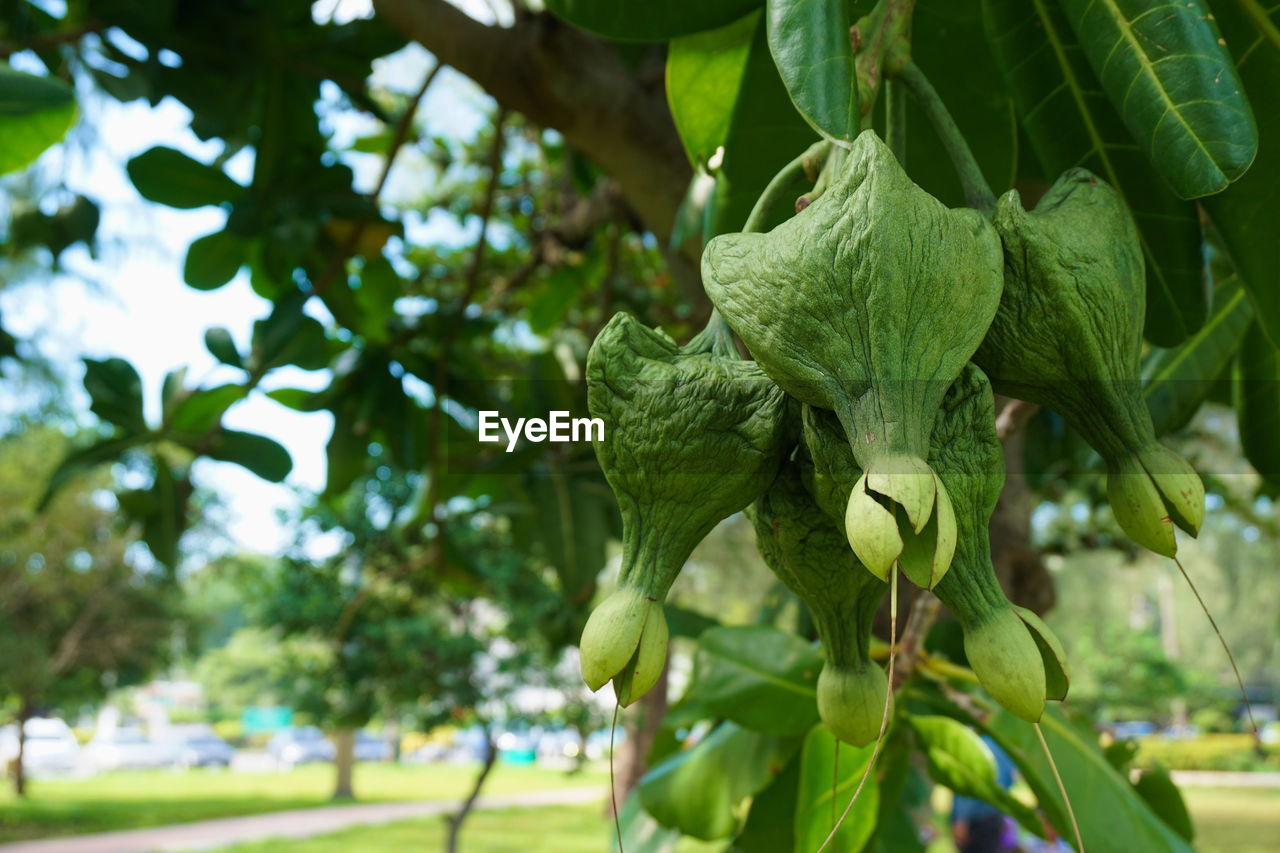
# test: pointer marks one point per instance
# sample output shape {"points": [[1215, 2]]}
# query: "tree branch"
{"points": [[576, 83]]}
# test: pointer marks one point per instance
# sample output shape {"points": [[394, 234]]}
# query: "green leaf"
{"points": [[213, 260], [1256, 383], [1247, 212], [691, 218], [1070, 123], [115, 393], [809, 40], [259, 454], [770, 825], [1157, 788], [699, 790], [289, 336], [35, 113], [1176, 381], [761, 678], [655, 20], [551, 302], [825, 791], [203, 409], [683, 622], [959, 760], [84, 460], [165, 518], [1113, 818], [222, 347], [169, 177], [1166, 70], [640, 832], [573, 527], [704, 75], [298, 399]]}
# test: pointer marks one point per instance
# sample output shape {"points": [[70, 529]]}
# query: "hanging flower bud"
{"points": [[808, 553], [691, 436], [868, 303], [1068, 335]]}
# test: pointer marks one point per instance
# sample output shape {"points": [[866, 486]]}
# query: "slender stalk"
{"points": [[779, 185], [1062, 789], [895, 119], [613, 791], [1248, 706], [977, 191]]}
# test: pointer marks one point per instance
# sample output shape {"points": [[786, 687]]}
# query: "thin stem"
{"points": [[613, 791], [895, 119], [884, 716], [1062, 789], [977, 191], [1257, 736], [778, 187]]}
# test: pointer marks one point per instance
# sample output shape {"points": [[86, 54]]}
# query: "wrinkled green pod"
{"points": [[1012, 655], [809, 554], [1068, 335], [869, 302], [691, 436]]}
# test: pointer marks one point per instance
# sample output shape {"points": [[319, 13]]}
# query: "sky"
{"points": [[130, 301]]}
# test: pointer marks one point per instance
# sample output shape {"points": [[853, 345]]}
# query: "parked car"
{"points": [[49, 746], [198, 746], [370, 747], [127, 748], [299, 745]]}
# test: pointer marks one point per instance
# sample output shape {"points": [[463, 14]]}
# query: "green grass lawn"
{"points": [[132, 799], [1228, 820]]}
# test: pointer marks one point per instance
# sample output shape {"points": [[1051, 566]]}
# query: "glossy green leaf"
{"points": [[1256, 385], [754, 119], [655, 20], [760, 677], [704, 76], [1247, 213], [1166, 70], [259, 454], [825, 790], [1157, 788], [683, 622], [1176, 381], [213, 260], [1070, 122], [85, 459], [959, 760], [770, 825], [809, 40], [700, 790], [169, 177], [222, 346], [115, 393], [35, 113], [203, 409]]}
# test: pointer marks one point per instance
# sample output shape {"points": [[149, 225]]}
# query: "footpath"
{"points": [[300, 823]]}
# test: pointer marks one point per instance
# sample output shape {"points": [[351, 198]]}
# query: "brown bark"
{"points": [[1018, 563], [19, 768], [456, 819], [344, 760], [642, 723]]}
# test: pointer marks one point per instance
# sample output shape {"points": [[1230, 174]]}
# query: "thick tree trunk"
{"points": [[456, 820], [344, 760], [1018, 563], [643, 721], [19, 764]]}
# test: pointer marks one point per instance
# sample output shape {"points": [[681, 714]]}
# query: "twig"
{"points": [[977, 191], [780, 183], [924, 612]]}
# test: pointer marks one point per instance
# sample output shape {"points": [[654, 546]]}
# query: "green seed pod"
{"points": [[1068, 335], [691, 436], [869, 302], [808, 553], [1002, 650]]}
